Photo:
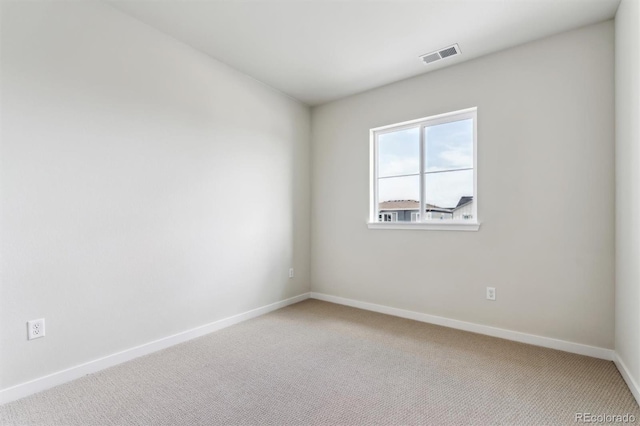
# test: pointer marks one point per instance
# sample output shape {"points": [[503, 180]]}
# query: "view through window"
{"points": [[424, 170]]}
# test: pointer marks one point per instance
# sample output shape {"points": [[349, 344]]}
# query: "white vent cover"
{"points": [[440, 54]]}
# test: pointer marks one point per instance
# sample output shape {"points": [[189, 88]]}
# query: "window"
{"points": [[388, 217], [426, 165]]}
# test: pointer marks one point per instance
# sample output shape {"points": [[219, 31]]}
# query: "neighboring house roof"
{"points": [[399, 205], [432, 208], [415, 205], [409, 205], [464, 201]]}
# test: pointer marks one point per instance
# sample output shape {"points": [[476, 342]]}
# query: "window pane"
{"points": [[449, 146], [449, 195], [399, 153], [398, 197]]}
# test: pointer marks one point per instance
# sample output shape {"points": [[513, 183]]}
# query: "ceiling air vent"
{"points": [[440, 54]]}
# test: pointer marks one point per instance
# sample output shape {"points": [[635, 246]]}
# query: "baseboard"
{"points": [[624, 371], [64, 376], [547, 342]]}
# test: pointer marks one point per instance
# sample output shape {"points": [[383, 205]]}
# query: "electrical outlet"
{"points": [[290, 272], [35, 329], [491, 293]]}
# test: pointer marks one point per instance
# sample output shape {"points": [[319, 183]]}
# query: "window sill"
{"points": [[451, 226]]}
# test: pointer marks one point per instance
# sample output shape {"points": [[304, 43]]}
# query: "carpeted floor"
{"points": [[321, 363]]}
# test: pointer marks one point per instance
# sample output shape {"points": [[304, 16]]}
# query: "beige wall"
{"points": [[146, 188], [628, 187], [546, 143], [127, 156]]}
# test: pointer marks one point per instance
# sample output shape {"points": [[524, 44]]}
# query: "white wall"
{"points": [[628, 187], [546, 144], [146, 188]]}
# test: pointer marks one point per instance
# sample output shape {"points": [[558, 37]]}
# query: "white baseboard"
{"points": [[64, 376], [624, 371], [547, 342]]}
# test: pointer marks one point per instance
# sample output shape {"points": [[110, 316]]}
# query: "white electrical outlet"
{"points": [[290, 272], [491, 293], [35, 329]]}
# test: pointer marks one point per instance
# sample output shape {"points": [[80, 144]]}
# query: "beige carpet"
{"points": [[320, 363]]}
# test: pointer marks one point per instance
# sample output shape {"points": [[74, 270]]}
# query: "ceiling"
{"points": [[318, 50]]}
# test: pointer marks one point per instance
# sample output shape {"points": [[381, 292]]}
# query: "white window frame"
{"points": [[424, 224]]}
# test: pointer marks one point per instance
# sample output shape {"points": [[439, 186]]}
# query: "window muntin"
{"points": [[426, 165]]}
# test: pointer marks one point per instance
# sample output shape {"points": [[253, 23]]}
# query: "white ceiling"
{"points": [[319, 50]]}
